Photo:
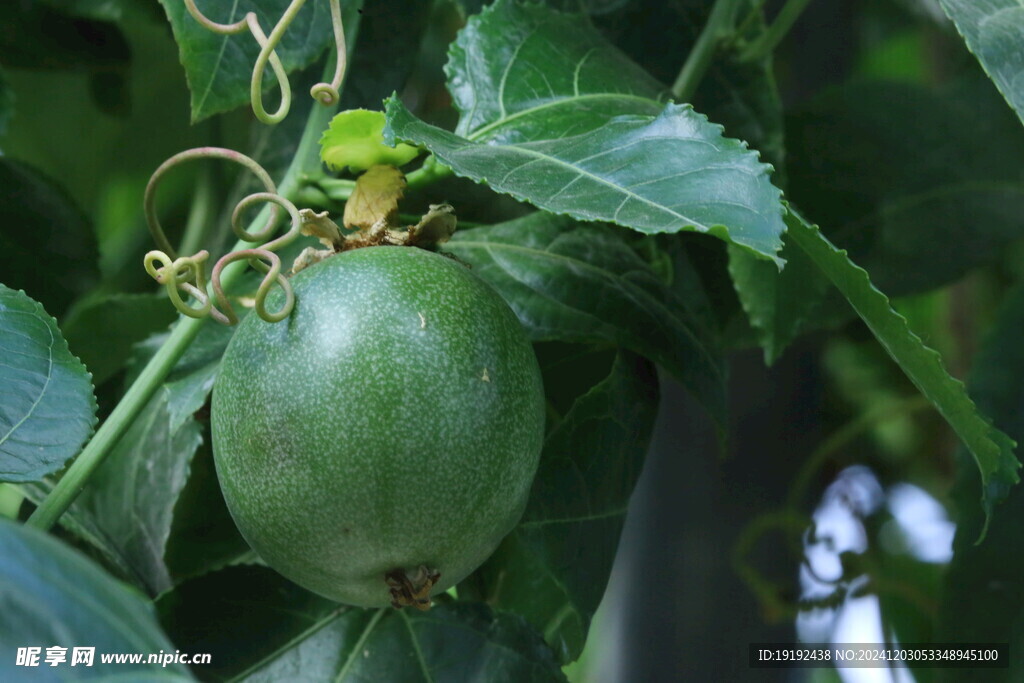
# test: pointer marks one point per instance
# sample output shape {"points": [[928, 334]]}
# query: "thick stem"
{"points": [[787, 16], [153, 375], [719, 26]]}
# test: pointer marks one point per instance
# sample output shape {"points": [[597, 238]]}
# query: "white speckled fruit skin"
{"points": [[395, 419]]}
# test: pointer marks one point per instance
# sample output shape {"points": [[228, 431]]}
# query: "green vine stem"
{"points": [[325, 93], [769, 40], [156, 371], [187, 274], [720, 26]]}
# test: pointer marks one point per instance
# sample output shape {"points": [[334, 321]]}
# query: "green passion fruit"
{"points": [[377, 445]]}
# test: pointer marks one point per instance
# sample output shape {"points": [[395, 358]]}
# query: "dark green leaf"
{"points": [[94, 541], [521, 72], [47, 408], [778, 304], [219, 68], [245, 616], [908, 179], [105, 10], [131, 503], [991, 448], [46, 244], [268, 629], [579, 130], [994, 31], [52, 596], [127, 511], [103, 329], [578, 283], [984, 588], [203, 536], [6, 104], [741, 96], [130, 499], [190, 381], [389, 32], [35, 36], [629, 171], [554, 567]]}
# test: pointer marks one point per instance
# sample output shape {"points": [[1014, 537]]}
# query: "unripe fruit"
{"points": [[393, 422]]}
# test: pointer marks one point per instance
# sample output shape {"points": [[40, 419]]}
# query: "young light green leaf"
{"points": [[664, 174], [53, 596], [991, 448], [994, 31], [778, 304], [553, 568], [579, 283], [47, 407], [219, 68], [291, 634], [353, 140]]}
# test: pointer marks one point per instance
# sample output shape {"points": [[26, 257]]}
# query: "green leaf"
{"points": [[128, 511], [778, 304], [579, 283], [34, 36], [628, 172], [983, 596], [130, 499], [391, 33], [47, 407], [203, 535], [46, 244], [994, 31], [105, 10], [191, 380], [52, 596], [219, 68], [740, 95], [291, 634], [991, 448], [579, 130], [908, 179], [553, 568], [102, 329], [6, 105], [521, 72]]}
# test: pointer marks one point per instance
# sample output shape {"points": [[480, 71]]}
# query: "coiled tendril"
{"points": [[188, 273], [325, 93]]}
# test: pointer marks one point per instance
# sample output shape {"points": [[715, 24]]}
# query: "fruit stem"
{"points": [[185, 331]]}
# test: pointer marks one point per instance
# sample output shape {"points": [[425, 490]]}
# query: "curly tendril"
{"points": [[325, 93], [188, 273]]}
